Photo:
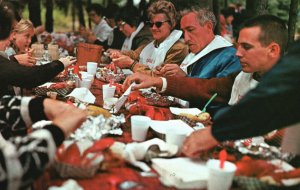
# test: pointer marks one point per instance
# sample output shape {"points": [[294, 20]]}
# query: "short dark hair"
{"points": [[99, 10], [111, 11], [131, 16], [273, 29], [227, 12], [6, 20]]}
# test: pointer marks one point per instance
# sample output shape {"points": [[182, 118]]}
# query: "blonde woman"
{"points": [[20, 42]]}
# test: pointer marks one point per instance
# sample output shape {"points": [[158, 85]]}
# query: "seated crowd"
{"points": [[182, 58]]}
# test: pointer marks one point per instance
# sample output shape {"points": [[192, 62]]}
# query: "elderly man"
{"points": [[210, 55], [262, 41]]}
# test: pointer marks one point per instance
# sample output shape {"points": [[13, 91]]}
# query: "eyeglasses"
{"points": [[158, 24]]}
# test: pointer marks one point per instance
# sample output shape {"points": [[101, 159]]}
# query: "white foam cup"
{"points": [[108, 91], [175, 136], [91, 67], [139, 127], [86, 75], [86, 83], [220, 178]]}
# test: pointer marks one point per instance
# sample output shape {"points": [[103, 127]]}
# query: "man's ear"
{"points": [[274, 49], [209, 25]]}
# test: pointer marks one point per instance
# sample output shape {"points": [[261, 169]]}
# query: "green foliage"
{"points": [[62, 21], [279, 8]]}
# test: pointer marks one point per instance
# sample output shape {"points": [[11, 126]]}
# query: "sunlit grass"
{"points": [[62, 21]]}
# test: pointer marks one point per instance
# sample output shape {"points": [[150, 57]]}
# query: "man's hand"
{"points": [[123, 61], [170, 70], [142, 81], [199, 143]]}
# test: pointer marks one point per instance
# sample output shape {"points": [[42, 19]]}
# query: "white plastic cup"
{"points": [[220, 179], [85, 83], [108, 91], [175, 136], [139, 127], [91, 68], [109, 103]]}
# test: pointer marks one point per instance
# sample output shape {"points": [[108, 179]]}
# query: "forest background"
{"points": [[66, 13]]}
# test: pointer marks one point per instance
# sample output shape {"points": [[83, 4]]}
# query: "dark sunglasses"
{"points": [[158, 24]]}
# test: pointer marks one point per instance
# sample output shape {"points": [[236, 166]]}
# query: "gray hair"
{"points": [[203, 15]]}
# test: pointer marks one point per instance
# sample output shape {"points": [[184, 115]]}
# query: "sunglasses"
{"points": [[158, 24]]}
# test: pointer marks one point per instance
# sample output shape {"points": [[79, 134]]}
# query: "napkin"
{"points": [[185, 173], [122, 99], [178, 111], [163, 126], [83, 94], [47, 84], [70, 184], [134, 152]]}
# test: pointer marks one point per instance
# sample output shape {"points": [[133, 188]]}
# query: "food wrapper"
{"points": [[155, 99], [46, 88], [260, 150], [267, 182], [107, 75], [42, 91], [67, 170], [97, 127], [192, 120], [74, 159]]}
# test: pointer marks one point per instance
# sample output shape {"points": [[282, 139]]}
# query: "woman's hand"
{"points": [[62, 115], [25, 59], [67, 61], [123, 61]]}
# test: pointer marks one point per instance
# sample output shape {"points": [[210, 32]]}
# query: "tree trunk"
{"points": [[34, 7], [73, 15], [80, 12], [89, 2], [49, 16], [206, 3], [257, 7], [225, 3], [292, 20], [216, 10]]}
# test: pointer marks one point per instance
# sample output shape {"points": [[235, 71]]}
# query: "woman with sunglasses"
{"points": [[166, 47]]}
